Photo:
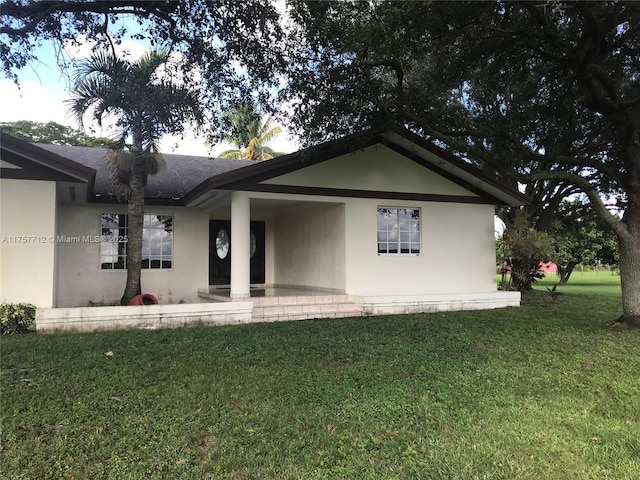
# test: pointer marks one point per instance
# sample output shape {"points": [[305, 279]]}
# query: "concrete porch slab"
{"points": [[91, 319]]}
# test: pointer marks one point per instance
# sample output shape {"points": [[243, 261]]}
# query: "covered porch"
{"points": [[284, 253], [266, 245]]}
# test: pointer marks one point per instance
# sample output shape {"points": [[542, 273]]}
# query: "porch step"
{"points": [[210, 296], [275, 309]]}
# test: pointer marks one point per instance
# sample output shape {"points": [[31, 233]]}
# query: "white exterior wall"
{"points": [[457, 253], [310, 247], [28, 230], [457, 239], [375, 168], [80, 278]]}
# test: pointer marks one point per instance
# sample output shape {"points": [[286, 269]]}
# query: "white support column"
{"points": [[240, 245]]}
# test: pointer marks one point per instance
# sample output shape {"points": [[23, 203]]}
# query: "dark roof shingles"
{"points": [[183, 173]]}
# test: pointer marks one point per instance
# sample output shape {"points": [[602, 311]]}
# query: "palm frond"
{"points": [[99, 63], [94, 95], [120, 164], [232, 154], [252, 152], [270, 134], [155, 163], [145, 106], [270, 152], [147, 65], [249, 132]]}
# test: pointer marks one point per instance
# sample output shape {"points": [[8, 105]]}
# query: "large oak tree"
{"points": [[542, 93]]}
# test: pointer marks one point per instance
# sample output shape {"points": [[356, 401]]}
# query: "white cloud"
{"points": [[32, 101], [285, 142], [82, 47], [187, 144]]}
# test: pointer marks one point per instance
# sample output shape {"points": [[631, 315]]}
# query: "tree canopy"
{"points": [[52, 132], [226, 45], [581, 238], [520, 87]]}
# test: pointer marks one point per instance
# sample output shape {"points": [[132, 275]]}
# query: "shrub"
{"points": [[16, 317], [529, 248]]}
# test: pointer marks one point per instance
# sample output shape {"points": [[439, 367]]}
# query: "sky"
{"points": [[43, 88]]}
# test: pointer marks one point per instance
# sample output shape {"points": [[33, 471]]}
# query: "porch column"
{"points": [[240, 245]]}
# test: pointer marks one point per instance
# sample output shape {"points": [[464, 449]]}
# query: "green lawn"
{"points": [[587, 283], [544, 391]]}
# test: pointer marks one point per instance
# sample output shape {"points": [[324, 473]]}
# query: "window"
{"points": [[398, 231], [157, 241], [222, 244]]}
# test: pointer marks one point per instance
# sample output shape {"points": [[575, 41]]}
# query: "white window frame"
{"points": [[393, 231], [119, 238]]}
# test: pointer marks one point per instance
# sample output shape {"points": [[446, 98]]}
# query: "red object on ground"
{"points": [[144, 299], [548, 267]]}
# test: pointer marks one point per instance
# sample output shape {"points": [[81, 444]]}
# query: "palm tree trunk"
{"points": [[136, 217]]}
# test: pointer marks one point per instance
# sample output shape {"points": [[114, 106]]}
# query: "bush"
{"points": [[16, 317], [528, 248]]}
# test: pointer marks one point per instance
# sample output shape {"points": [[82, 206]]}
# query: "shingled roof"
{"points": [[183, 173], [188, 179]]}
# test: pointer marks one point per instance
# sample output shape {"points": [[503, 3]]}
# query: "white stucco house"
{"points": [[383, 222]]}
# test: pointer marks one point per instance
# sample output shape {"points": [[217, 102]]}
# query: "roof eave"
{"points": [[48, 159]]}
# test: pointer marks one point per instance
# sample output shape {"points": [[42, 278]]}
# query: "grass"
{"points": [[542, 391], [587, 283]]}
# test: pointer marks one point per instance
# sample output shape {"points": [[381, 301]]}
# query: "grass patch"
{"points": [[587, 283], [541, 391]]}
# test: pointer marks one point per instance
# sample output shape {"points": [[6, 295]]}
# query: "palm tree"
{"points": [[144, 104], [249, 132]]}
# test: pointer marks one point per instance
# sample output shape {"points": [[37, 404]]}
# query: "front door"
{"points": [[220, 252]]}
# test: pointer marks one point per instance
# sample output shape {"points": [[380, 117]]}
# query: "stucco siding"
{"points": [[376, 168], [80, 278], [456, 256], [310, 247], [28, 230]]}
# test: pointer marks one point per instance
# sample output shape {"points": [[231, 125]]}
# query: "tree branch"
{"points": [[38, 11], [397, 67], [619, 228], [456, 140]]}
